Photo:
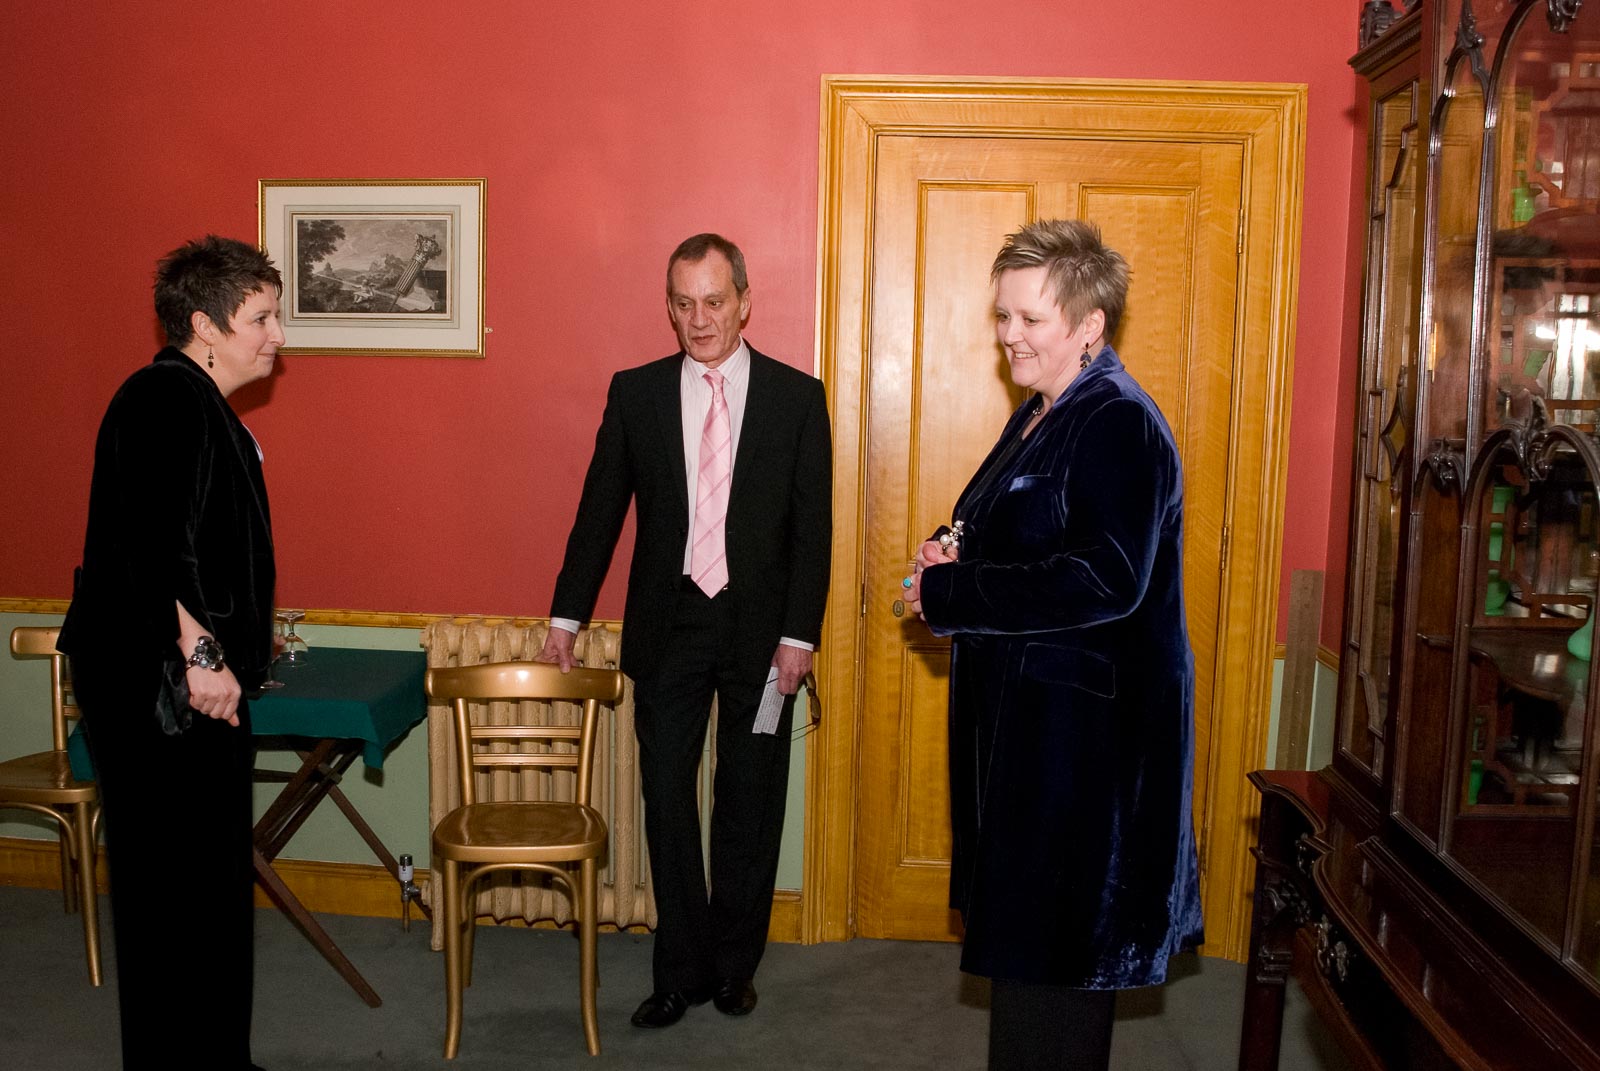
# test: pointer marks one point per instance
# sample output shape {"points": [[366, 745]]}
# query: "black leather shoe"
{"points": [[666, 1007], [735, 996]]}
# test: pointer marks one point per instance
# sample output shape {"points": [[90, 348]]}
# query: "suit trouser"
{"points": [[1034, 1027], [177, 819], [701, 938]]}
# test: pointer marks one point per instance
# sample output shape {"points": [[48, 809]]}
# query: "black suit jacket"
{"points": [[779, 528], [177, 513]]}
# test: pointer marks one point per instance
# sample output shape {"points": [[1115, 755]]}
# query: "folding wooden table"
{"points": [[341, 704]]}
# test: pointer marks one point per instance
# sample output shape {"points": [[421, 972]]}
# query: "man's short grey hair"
{"points": [[694, 250], [1085, 273]]}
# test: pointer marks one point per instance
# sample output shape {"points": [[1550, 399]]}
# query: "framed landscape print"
{"points": [[391, 267]]}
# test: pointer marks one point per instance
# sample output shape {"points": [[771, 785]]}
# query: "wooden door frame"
{"points": [[1268, 122]]}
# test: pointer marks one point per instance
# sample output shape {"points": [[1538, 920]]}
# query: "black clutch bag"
{"points": [[173, 712]]}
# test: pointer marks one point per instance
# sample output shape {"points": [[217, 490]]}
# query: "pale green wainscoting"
{"points": [[394, 801], [1324, 698]]}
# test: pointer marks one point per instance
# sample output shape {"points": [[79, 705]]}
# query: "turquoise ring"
{"points": [[906, 583]]}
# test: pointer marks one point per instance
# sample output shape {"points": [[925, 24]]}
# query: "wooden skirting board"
{"points": [[36, 864], [364, 889]]}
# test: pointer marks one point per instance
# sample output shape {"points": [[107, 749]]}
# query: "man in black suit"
{"points": [[726, 590]]}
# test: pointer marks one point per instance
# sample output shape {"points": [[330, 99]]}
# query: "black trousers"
{"points": [[177, 819], [1049, 1027], [702, 937]]}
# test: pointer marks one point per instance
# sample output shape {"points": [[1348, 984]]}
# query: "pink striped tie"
{"points": [[708, 564]]}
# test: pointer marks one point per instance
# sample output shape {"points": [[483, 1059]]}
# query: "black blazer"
{"points": [[177, 512], [779, 528]]}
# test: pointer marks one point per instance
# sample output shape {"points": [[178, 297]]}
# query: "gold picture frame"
{"points": [[378, 267]]}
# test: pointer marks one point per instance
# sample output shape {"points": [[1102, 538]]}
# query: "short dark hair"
{"points": [[694, 250], [211, 275], [1087, 274]]}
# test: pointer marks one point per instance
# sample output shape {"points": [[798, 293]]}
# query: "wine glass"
{"points": [[280, 628], [294, 651], [272, 681]]}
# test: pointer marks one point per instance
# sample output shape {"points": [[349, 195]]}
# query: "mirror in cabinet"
{"points": [[1528, 651], [1544, 350], [1543, 344]]}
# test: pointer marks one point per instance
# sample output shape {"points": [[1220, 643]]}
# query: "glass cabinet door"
{"points": [[1519, 820], [1458, 149], [1543, 351], [1434, 564], [1388, 368], [1529, 642]]}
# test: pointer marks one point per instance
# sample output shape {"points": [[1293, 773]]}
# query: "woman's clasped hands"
{"points": [[932, 552]]}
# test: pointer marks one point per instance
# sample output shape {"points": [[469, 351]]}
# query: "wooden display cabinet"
{"points": [[1436, 889]]}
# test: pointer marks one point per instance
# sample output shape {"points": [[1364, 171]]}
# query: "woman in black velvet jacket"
{"points": [[1071, 681], [176, 586]]}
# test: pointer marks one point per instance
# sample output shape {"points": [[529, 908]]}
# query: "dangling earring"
{"points": [[1083, 362], [211, 358]]}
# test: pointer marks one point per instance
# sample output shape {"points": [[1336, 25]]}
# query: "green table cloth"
{"points": [[346, 694]]}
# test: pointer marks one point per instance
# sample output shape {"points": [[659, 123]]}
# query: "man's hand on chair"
{"points": [[558, 648]]}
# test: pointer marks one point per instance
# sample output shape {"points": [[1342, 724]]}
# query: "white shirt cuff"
{"points": [[566, 623], [787, 642]]}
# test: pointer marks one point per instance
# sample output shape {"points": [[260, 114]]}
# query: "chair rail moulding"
{"points": [[378, 267], [1267, 123], [34, 606], [352, 618]]}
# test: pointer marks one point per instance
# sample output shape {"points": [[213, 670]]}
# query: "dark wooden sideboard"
{"points": [[1399, 976]]}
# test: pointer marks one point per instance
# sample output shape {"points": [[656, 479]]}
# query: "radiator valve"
{"points": [[408, 891]]}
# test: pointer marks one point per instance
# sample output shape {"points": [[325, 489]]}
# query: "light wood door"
{"points": [[937, 394]]}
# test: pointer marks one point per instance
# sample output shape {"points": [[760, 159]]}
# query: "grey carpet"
{"points": [[833, 1007]]}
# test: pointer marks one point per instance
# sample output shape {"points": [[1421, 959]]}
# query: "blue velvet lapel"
{"points": [[669, 415]]}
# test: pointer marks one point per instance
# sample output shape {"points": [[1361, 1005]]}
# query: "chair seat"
{"points": [[520, 832], [43, 777]]}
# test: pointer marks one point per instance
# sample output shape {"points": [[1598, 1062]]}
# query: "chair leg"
{"points": [[588, 970], [69, 886], [452, 958], [83, 834], [469, 916]]}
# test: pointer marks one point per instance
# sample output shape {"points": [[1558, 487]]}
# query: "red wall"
{"points": [[607, 132]]}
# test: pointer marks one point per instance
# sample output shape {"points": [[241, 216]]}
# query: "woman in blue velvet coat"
{"points": [[1072, 681]]}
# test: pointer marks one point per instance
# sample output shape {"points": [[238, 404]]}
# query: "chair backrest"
{"points": [[33, 641], [512, 682]]}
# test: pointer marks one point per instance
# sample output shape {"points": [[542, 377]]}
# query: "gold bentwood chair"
{"points": [[43, 782], [479, 839]]}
